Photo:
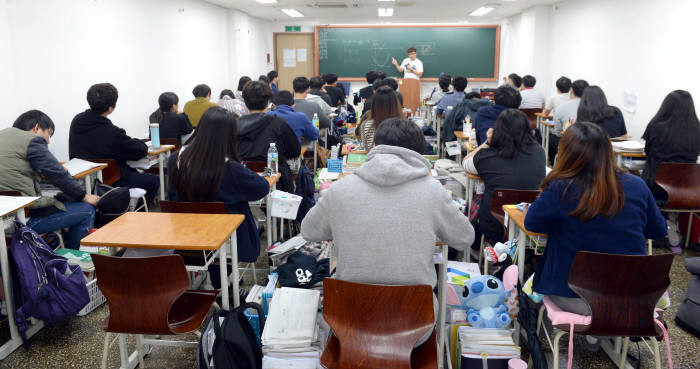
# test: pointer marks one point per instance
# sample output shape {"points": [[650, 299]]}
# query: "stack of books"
{"points": [[291, 324], [480, 347], [354, 161]]}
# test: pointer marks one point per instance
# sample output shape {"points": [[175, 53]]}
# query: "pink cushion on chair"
{"points": [[560, 317]]}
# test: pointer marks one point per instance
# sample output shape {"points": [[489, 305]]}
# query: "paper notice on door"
{"points": [[289, 58], [301, 55]]}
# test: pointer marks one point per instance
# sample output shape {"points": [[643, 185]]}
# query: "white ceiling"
{"points": [[365, 11]]}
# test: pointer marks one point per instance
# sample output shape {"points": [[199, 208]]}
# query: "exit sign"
{"points": [[292, 28]]}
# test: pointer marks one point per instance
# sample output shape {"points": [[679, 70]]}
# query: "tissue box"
{"points": [[284, 205]]}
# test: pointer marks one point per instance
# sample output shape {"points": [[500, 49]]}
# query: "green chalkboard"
{"points": [[351, 51]]}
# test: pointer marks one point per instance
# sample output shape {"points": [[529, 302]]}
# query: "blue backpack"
{"points": [[49, 289]]}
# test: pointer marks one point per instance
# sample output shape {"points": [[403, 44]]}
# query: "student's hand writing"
{"points": [[91, 199]]}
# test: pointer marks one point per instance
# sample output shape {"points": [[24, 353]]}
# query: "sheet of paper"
{"points": [[301, 55], [9, 204], [453, 148], [630, 102], [75, 166], [292, 318], [289, 58]]}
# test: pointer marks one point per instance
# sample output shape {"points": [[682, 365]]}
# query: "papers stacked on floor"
{"points": [[76, 166], [297, 360], [628, 146], [486, 343], [291, 323]]}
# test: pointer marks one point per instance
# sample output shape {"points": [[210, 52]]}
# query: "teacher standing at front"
{"points": [[412, 69]]}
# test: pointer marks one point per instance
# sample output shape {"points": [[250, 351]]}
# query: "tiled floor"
{"points": [[77, 342]]}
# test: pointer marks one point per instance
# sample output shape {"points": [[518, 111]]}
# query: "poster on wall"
{"points": [[301, 55], [289, 58]]}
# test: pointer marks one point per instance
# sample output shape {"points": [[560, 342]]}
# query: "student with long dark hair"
{"points": [[510, 158], [588, 204], [173, 122], [594, 108], [385, 105], [241, 83], [209, 169], [673, 135]]}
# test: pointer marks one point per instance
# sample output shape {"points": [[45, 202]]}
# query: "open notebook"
{"points": [[76, 166]]}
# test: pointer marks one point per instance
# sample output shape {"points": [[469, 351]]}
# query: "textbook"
{"points": [[77, 257], [75, 166]]}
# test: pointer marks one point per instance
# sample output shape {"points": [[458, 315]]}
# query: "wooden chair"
{"points": [[499, 198], [165, 141], [622, 292], [531, 117], [149, 296], [255, 166], [377, 326], [56, 233], [681, 181], [195, 257]]}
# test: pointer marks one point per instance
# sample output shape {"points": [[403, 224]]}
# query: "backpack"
{"points": [[47, 287], [114, 201], [305, 189], [229, 341]]}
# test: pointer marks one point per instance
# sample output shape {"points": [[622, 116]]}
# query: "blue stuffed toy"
{"points": [[484, 297]]}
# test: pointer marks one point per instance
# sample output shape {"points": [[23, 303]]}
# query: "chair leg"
{"points": [[657, 354], [139, 351], [539, 319], [145, 204], [555, 349], [255, 278], [690, 226], [481, 251], [649, 250], [623, 355], [105, 350]]}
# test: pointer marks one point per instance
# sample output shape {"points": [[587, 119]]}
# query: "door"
{"points": [[294, 55]]}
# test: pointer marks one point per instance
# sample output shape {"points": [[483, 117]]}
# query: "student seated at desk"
{"points": [[298, 122], [468, 107], [513, 80], [565, 112], [93, 136], [335, 93], [505, 98], [385, 105], [241, 83], [594, 108], [563, 85], [257, 130], [388, 82], [531, 98], [588, 204], [366, 92], [228, 101], [403, 212], [443, 87], [173, 123], [195, 108], [510, 158], [209, 169], [316, 84], [274, 78], [452, 98], [672, 136], [301, 87], [24, 159]]}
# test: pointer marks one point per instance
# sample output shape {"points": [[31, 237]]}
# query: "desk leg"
{"points": [[161, 159], [437, 131], [234, 265], [618, 159], [268, 218], [224, 277], [316, 157], [88, 185], [442, 284], [459, 156], [522, 237]]}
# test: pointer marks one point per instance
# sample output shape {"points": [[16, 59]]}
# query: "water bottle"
{"points": [[467, 126], [155, 135], [315, 120], [272, 157]]}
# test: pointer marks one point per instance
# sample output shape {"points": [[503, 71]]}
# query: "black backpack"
{"points": [[235, 343], [114, 201]]}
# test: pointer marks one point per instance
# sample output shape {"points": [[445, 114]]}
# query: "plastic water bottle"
{"points": [[467, 126], [315, 120], [272, 157], [155, 135]]}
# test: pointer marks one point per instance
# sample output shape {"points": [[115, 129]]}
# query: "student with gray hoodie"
{"points": [[399, 212]]}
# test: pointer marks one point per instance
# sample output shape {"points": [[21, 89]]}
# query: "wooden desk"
{"points": [[303, 151], [461, 136], [619, 155], [161, 152], [87, 175], [12, 206], [516, 222]]}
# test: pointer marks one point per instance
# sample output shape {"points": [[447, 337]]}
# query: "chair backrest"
{"points": [[377, 325], [140, 291], [682, 183], [530, 112], [503, 196], [622, 290], [111, 173], [193, 207], [256, 166], [171, 141], [10, 193]]}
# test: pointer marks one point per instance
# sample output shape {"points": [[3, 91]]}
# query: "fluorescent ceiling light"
{"points": [[482, 11], [267, 1], [293, 13], [386, 1], [385, 12]]}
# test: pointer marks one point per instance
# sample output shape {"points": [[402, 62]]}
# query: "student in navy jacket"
{"points": [[505, 97], [298, 122], [209, 169], [588, 204]]}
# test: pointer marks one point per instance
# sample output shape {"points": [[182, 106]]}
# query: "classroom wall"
{"points": [[250, 42], [6, 75], [642, 46]]}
